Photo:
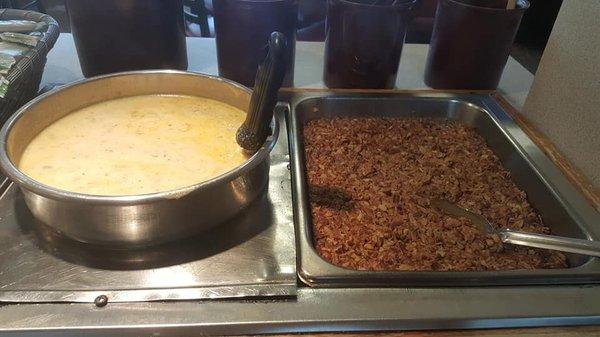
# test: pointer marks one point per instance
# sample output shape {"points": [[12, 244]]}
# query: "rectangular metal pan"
{"points": [[561, 206]]}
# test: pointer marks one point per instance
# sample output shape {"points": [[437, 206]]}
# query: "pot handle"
{"points": [[269, 77]]}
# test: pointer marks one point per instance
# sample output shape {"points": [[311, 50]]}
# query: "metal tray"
{"points": [[559, 204]]}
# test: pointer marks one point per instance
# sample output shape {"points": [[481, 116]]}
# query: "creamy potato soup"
{"points": [[136, 145]]}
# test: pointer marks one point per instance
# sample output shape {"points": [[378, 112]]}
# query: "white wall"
{"points": [[564, 101]]}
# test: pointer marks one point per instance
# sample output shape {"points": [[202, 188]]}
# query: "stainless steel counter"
{"points": [[334, 309], [316, 310]]}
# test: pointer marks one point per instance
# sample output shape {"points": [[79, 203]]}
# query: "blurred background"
{"points": [[527, 50]]}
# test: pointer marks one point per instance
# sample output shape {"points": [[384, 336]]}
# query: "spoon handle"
{"points": [[269, 77], [563, 244]]}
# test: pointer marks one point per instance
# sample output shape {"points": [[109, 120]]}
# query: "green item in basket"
{"points": [[19, 26], [10, 54], [25, 39], [40, 26], [3, 86], [6, 62], [13, 49]]}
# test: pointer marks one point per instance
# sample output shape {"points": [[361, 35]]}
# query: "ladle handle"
{"points": [[269, 77], [563, 244]]}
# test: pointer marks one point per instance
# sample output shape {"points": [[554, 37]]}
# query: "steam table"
{"points": [[315, 309]]}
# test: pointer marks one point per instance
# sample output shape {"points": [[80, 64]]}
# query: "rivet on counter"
{"points": [[101, 301]]}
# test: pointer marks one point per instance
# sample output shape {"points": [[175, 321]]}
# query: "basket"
{"points": [[25, 75]]}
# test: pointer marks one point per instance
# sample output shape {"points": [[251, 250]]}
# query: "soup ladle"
{"points": [[256, 128], [563, 244]]}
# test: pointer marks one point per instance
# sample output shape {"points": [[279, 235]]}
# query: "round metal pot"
{"points": [[139, 219]]}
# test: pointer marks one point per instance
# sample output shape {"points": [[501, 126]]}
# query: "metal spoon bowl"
{"points": [[559, 243]]}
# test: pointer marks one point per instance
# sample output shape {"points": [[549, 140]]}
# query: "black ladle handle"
{"points": [[269, 77]]}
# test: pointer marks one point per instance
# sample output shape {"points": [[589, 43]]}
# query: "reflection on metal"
{"points": [[251, 256]]}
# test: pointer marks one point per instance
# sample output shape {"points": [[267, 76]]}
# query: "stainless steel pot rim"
{"points": [[51, 192]]}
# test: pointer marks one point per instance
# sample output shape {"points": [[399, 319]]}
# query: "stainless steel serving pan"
{"points": [[139, 219], [562, 208]]}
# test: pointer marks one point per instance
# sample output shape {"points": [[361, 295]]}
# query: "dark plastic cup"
{"points": [[120, 35], [471, 43], [243, 28], [364, 43]]}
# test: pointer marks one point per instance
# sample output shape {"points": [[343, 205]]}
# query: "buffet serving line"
{"points": [[263, 271]]}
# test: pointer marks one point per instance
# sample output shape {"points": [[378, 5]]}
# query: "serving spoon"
{"points": [[256, 128], [560, 243]]}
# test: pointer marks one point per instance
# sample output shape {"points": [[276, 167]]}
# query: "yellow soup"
{"points": [[137, 145]]}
